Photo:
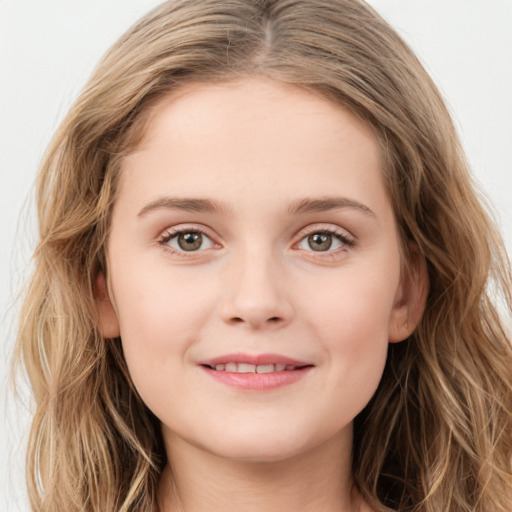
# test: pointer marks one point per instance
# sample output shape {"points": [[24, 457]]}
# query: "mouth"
{"points": [[263, 372], [234, 367]]}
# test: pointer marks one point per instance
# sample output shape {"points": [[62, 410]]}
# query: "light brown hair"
{"points": [[437, 435]]}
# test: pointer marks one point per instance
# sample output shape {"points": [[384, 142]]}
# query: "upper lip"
{"points": [[260, 359]]}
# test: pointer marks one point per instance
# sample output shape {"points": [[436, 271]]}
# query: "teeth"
{"points": [[252, 368], [265, 368], [246, 368]]}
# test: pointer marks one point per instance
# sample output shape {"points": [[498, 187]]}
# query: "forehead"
{"points": [[253, 134], [245, 104]]}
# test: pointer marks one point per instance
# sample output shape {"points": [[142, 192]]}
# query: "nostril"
{"points": [[240, 320]]}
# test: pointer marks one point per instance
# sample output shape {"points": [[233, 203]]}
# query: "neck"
{"points": [[317, 481]]}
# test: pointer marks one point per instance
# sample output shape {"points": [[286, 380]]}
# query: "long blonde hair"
{"points": [[437, 435]]}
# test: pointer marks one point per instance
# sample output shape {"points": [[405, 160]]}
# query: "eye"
{"points": [[187, 241], [324, 241]]}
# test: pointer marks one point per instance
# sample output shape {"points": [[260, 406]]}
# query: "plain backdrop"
{"points": [[48, 48]]}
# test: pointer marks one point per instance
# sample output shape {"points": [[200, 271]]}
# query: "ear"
{"points": [[109, 327], [411, 297]]}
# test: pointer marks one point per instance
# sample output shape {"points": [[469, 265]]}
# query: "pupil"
{"points": [[190, 241], [320, 241]]}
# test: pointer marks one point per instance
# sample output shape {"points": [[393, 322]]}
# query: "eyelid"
{"points": [[171, 232], [342, 234]]}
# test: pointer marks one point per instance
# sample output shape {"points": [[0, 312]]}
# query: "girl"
{"points": [[264, 280]]}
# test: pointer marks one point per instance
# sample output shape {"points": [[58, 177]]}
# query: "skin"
{"points": [[257, 149]]}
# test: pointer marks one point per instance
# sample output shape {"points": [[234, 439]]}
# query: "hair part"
{"points": [[437, 434]]}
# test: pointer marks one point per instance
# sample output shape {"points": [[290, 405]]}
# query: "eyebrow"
{"points": [[322, 204], [185, 204], [306, 205]]}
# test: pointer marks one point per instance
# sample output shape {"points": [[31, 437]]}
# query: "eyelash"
{"points": [[342, 236], [347, 241], [168, 235]]}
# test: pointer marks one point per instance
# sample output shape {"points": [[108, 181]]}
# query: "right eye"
{"points": [[187, 240]]}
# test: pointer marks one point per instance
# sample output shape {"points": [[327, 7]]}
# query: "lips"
{"points": [[261, 372], [253, 368], [260, 359]]}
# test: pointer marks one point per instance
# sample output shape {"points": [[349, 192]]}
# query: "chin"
{"points": [[257, 454], [265, 445]]}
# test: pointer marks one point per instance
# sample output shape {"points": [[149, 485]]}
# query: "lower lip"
{"points": [[258, 381]]}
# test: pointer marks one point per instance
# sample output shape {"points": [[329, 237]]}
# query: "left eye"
{"points": [[189, 241], [321, 242]]}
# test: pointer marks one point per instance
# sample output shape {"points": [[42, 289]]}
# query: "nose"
{"points": [[256, 293]]}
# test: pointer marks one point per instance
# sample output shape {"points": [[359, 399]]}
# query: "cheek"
{"points": [[160, 318], [161, 302], [356, 307], [357, 340], [352, 320]]}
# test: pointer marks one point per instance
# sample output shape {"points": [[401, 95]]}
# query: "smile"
{"points": [[253, 368], [257, 373]]}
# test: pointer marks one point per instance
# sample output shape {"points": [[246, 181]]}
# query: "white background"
{"points": [[48, 48]]}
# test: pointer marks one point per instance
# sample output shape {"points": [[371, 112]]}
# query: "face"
{"points": [[255, 269]]}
